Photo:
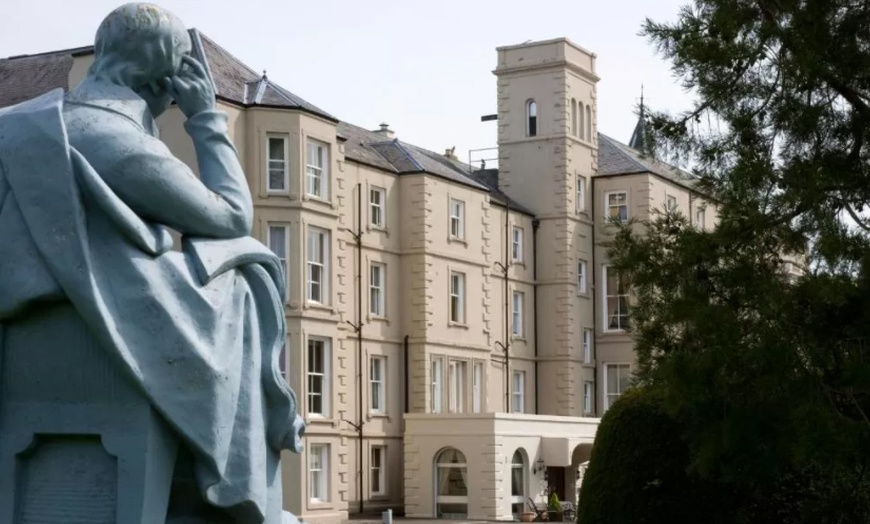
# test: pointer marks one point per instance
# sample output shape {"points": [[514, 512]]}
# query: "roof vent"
{"points": [[450, 153], [385, 131]]}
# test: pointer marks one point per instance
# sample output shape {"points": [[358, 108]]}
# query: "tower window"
{"points": [[574, 117], [582, 131], [531, 118]]}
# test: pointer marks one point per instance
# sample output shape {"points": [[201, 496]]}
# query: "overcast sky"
{"points": [[422, 66]]}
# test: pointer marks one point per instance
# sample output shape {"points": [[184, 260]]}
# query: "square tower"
{"points": [[547, 143]]}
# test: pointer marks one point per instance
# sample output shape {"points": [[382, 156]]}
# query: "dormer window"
{"points": [[531, 118]]}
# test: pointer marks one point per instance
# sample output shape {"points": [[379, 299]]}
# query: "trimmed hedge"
{"points": [[637, 469]]}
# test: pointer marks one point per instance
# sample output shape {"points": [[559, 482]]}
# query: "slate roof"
{"points": [[25, 77], [616, 158]]}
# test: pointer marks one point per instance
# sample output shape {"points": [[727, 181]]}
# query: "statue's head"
{"points": [[138, 45]]}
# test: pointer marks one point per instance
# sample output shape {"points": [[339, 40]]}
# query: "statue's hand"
{"points": [[191, 88]]}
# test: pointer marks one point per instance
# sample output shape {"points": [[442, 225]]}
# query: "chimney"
{"points": [[386, 132], [450, 153]]}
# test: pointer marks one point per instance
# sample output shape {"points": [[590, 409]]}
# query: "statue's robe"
{"points": [[86, 188]]}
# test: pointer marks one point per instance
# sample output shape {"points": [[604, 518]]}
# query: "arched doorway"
{"points": [[451, 485], [579, 463], [519, 483]]}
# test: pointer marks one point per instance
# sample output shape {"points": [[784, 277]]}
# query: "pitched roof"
{"points": [[25, 77], [616, 158]]}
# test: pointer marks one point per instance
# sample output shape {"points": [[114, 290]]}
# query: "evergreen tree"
{"points": [[768, 373]]}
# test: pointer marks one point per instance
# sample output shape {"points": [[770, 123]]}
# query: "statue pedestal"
{"points": [[79, 442]]}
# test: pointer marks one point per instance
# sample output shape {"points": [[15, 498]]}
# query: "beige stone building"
{"points": [[453, 332]]}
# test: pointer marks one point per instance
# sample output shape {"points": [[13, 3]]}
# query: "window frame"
{"points": [[285, 138], [531, 118], [588, 400], [283, 257], [607, 205], [322, 483], [518, 394], [606, 295], [323, 264], [457, 376], [582, 277], [477, 386], [459, 219], [587, 341], [606, 382], [669, 200], [381, 207], [436, 385], [518, 328], [517, 244], [381, 467], [580, 193], [700, 216], [325, 375], [381, 289], [459, 297], [381, 382], [322, 170]]}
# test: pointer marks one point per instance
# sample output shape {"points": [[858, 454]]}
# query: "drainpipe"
{"points": [[505, 346], [357, 235], [407, 398], [594, 304], [535, 224]]}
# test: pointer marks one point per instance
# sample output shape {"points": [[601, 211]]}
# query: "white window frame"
{"points": [[517, 237], [588, 403], [378, 210], [457, 373], [377, 289], [315, 173], [518, 305], [587, 345], [581, 193], [285, 163], [457, 295], [378, 464], [456, 225], [606, 295], [436, 382], [323, 375], [582, 277], [318, 474], [312, 264], [477, 372], [518, 392], [610, 398], [608, 207], [532, 118], [378, 384], [700, 216], [283, 255], [670, 202]]}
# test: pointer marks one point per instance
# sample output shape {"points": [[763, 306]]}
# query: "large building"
{"points": [[453, 332]]}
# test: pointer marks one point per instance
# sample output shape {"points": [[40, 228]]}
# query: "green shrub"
{"points": [[554, 504], [637, 469]]}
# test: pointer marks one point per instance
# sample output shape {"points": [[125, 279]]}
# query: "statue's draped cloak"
{"points": [[199, 331]]}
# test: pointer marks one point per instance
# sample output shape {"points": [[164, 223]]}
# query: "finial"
{"points": [[264, 74]]}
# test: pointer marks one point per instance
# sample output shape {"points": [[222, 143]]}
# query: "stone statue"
{"points": [[137, 383]]}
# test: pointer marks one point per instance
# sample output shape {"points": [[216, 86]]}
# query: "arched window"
{"points": [[451, 484], [589, 123], [581, 135], [531, 118], [518, 483], [574, 117]]}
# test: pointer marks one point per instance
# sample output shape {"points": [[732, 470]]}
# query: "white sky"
{"points": [[425, 68]]}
